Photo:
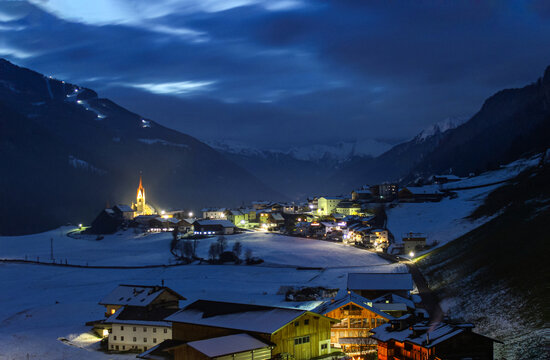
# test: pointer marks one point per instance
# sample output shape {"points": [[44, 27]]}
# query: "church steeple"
{"points": [[141, 206]]}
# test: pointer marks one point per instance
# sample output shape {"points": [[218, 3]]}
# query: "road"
{"points": [[429, 300]]}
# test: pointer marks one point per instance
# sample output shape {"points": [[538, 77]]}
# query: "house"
{"points": [[385, 192], [213, 213], [229, 347], [137, 328], [348, 208], [237, 217], [213, 227], [413, 242], [357, 317], [149, 296], [293, 333], [373, 285], [431, 341], [379, 238], [362, 194], [420, 194], [326, 205], [107, 222], [394, 305], [124, 211], [444, 179]]}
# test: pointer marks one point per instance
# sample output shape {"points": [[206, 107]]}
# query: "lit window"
{"points": [[113, 311]]}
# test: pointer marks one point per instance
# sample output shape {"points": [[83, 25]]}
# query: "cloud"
{"points": [[175, 88]]}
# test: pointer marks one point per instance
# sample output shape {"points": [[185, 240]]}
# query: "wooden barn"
{"points": [[292, 333]]}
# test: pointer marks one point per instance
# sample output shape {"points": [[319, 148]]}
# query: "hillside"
{"points": [[66, 152], [511, 124], [495, 275]]}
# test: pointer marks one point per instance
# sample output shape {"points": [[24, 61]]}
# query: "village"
{"points": [[379, 315]]}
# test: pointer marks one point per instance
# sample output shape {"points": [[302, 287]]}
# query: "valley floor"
{"points": [[43, 304]]}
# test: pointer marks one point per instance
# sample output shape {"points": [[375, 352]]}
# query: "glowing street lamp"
{"points": [[411, 254], [190, 214]]}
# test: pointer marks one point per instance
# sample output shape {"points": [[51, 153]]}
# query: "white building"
{"points": [[213, 213], [326, 205], [137, 329]]}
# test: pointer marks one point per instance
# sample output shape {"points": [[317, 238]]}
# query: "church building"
{"points": [[141, 207]]}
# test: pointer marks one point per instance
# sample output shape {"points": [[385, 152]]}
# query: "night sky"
{"points": [[277, 73]]}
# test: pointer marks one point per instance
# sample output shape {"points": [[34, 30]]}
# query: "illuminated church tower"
{"points": [[141, 207]]}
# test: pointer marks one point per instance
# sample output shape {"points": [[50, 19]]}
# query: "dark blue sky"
{"points": [[275, 73]]}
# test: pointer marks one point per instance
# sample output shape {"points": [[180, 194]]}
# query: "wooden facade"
{"points": [[306, 337], [355, 324]]}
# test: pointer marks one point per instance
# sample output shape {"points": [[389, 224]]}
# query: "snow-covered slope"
{"points": [[440, 127], [46, 303], [446, 220]]}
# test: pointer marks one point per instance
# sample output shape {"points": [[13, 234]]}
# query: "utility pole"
{"points": [[51, 248]]}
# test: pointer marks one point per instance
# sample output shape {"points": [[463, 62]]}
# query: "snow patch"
{"points": [[162, 142], [81, 164]]}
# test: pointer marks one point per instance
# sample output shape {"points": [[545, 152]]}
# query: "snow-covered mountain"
{"points": [[440, 127], [340, 151], [65, 152]]}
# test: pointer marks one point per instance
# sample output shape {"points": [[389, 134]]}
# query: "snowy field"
{"points": [[41, 304], [445, 221]]}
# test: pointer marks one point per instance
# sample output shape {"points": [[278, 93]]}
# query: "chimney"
{"points": [[427, 338], [162, 282]]}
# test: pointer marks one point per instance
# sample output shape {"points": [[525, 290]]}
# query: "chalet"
{"points": [[373, 285], [136, 328], [357, 317], [431, 341], [213, 213], [413, 242], [140, 295], [213, 227], [293, 333]]}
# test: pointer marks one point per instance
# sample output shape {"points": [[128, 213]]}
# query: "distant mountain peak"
{"points": [[440, 127]]}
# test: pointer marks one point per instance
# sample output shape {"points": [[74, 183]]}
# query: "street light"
{"points": [[411, 254], [190, 214]]}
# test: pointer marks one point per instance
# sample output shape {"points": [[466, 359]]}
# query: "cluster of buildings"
{"points": [[376, 313], [348, 219]]}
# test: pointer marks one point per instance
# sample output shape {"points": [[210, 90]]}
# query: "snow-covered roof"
{"points": [[277, 217], [422, 334], [109, 211], [226, 345], [224, 223], [362, 191], [393, 299], [380, 281], [123, 208], [245, 317], [136, 295], [352, 297], [134, 315]]}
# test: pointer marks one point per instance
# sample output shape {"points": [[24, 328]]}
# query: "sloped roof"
{"points": [[224, 223], [380, 281], [136, 295], [352, 297], [245, 317], [140, 315], [393, 299], [123, 208], [226, 345], [277, 216], [427, 335]]}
